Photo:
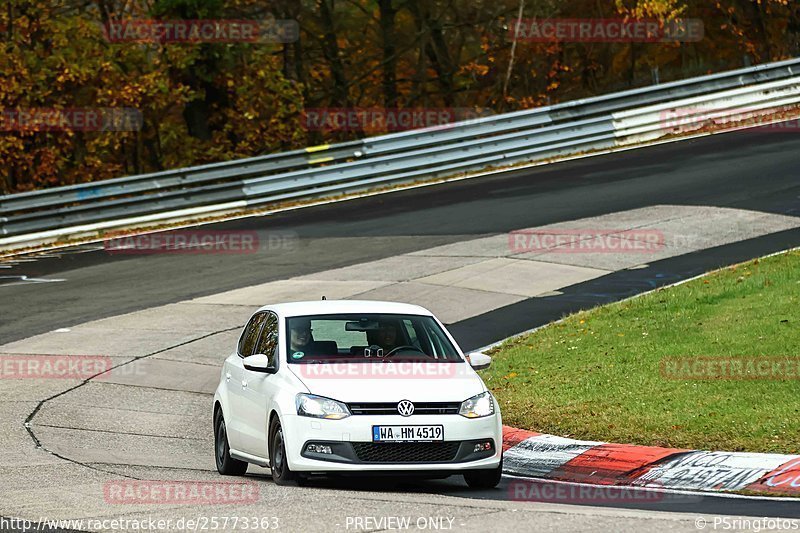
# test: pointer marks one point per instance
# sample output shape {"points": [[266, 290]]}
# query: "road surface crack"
{"points": [[28, 421]]}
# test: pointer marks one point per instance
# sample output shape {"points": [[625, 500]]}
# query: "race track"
{"points": [[169, 319]]}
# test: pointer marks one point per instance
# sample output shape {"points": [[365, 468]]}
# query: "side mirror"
{"points": [[479, 361], [258, 363]]}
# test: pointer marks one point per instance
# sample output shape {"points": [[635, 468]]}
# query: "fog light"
{"points": [[319, 448], [483, 446]]}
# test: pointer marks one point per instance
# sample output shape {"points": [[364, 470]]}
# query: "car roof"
{"points": [[326, 307]]}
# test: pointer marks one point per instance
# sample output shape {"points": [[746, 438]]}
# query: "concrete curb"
{"points": [[531, 454]]}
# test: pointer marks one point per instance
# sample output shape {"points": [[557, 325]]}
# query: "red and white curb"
{"points": [[531, 454]]}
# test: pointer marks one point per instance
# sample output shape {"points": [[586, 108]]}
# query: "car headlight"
{"points": [[478, 406], [320, 407]]}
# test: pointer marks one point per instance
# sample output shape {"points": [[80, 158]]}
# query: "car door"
{"points": [[234, 374], [258, 391]]}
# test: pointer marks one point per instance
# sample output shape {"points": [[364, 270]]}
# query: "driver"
{"points": [[300, 339], [387, 337]]}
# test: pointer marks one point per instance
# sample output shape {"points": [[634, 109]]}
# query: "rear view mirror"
{"points": [[479, 361], [362, 325]]}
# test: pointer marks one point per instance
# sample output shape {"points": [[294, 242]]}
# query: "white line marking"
{"points": [[26, 279]]}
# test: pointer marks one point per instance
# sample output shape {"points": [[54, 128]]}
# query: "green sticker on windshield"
{"points": [[298, 355]]}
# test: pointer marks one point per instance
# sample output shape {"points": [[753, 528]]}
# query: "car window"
{"points": [[268, 342], [367, 337], [437, 341], [333, 330], [247, 343], [412, 333]]}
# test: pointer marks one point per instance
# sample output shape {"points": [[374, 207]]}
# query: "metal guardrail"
{"points": [[592, 124]]}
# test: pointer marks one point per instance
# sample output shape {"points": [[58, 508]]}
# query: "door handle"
{"points": [[244, 384], [227, 376]]}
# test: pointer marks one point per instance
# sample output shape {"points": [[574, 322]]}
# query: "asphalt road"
{"points": [[747, 170], [750, 169], [339, 504]]}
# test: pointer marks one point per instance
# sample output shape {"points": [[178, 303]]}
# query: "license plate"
{"points": [[407, 433]]}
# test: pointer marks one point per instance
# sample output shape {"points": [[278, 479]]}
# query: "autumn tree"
{"points": [[211, 101]]}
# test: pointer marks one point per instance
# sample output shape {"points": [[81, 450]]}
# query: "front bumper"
{"points": [[345, 436], [391, 453]]}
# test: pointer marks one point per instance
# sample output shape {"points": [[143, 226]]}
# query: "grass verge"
{"points": [[603, 374]]}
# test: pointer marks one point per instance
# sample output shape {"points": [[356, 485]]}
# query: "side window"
{"points": [[248, 341], [268, 342]]}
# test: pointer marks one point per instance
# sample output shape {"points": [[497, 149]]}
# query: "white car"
{"points": [[342, 387]]}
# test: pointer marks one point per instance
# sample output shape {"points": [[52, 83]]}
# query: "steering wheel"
{"points": [[398, 348]]}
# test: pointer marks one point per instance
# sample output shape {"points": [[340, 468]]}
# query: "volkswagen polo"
{"points": [[344, 387]]}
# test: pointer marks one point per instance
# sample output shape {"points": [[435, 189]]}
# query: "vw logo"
{"points": [[405, 408]]}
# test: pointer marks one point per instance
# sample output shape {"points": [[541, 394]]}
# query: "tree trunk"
{"points": [[793, 31], [292, 52], [762, 29], [387, 13], [10, 16], [420, 79], [9, 180], [435, 48], [196, 115], [757, 31], [153, 145], [330, 49]]}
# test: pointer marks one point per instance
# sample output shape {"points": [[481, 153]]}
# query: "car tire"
{"points": [[226, 465], [484, 479], [279, 465]]}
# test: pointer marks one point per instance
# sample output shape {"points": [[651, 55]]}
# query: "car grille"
{"points": [[406, 452], [420, 408]]}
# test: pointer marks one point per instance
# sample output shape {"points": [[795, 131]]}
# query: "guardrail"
{"points": [[588, 125]]}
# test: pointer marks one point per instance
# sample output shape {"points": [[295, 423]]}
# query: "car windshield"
{"points": [[367, 338]]}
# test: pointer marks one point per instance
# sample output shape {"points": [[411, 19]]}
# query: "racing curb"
{"points": [[531, 454]]}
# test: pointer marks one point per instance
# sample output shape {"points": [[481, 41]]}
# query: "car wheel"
{"points": [[226, 465], [281, 474], [484, 479]]}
